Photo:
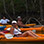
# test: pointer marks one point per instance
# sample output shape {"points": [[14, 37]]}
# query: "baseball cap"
{"points": [[14, 22]]}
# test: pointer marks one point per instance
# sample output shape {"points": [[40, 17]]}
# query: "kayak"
{"points": [[7, 25], [23, 39], [37, 29], [30, 24], [26, 29], [2, 27], [25, 24]]}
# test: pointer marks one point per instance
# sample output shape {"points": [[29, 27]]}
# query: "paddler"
{"points": [[4, 21], [15, 31], [20, 23]]}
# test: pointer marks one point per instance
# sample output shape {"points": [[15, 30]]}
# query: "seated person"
{"points": [[4, 21], [20, 23], [17, 32]]}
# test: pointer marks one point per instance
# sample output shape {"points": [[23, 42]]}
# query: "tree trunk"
{"points": [[41, 10], [26, 5], [12, 3], [5, 10]]}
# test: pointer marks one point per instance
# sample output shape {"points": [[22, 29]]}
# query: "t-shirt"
{"points": [[4, 21], [16, 31]]}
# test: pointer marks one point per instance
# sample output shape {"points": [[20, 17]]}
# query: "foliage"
{"points": [[24, 8]]}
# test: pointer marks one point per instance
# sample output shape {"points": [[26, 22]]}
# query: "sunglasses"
{"points": [[13, 23]]}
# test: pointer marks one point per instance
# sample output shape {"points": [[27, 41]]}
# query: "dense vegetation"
{"points": [[25, 8]]}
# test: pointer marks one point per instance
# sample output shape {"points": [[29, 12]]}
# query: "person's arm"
{"points": [[0, 22], [8, 20], [12, 31], [21, 24]]}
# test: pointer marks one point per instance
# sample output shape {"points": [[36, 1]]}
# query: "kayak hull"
{"points": [[24, 39], [26, 29]]}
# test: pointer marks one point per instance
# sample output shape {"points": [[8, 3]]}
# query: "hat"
{"points": [[19, 17], [14, 22]]}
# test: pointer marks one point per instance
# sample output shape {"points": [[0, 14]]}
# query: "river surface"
{"points": [[21, 42]]}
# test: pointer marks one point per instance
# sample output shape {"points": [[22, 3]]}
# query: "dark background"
{"points": [[25, 8]]}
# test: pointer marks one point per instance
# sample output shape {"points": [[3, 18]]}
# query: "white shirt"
{"points": [[4, 21], [16, 31]]}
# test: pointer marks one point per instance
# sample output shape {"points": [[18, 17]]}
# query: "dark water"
{"points": [[21, 42]]}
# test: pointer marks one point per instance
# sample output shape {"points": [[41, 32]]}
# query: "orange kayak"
{"points": [[26, 29], [23, 39], [30, 24], [37, 29], [7, 26], [25, 24]]}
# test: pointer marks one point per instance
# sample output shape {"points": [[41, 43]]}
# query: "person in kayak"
{"points": [[20, 23], [4, 21], [17, 32]]}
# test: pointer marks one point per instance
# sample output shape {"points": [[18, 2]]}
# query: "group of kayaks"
{"points": [[29, 38]]}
